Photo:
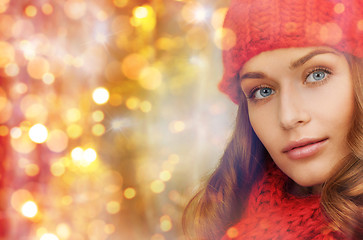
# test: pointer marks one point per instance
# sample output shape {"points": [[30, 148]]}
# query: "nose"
{"points": [[293, 110]]}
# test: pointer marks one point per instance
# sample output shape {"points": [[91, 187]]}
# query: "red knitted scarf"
{"points": [[273, 213]]}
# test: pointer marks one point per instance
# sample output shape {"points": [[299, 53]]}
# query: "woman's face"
{"points": [[300, 104]]}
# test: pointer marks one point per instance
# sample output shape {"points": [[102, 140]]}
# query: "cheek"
{"points": [[265, 125], [336, 106]]}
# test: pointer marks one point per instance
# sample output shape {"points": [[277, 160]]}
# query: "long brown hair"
{"points": [[342, 194], [222, 199]]}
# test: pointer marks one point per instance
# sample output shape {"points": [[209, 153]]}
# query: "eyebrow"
{"points": [[295, 64], [254, 75], [299, 62]]}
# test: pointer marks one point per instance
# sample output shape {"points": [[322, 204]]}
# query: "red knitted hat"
{"points": [[263, 25]]}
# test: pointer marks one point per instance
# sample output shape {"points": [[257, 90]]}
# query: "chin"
{"points": [[308, 182]]}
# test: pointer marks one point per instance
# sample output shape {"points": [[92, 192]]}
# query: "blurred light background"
{"points": [[109, 115]]}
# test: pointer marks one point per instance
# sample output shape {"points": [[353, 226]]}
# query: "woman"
{"points": [[293, 168]]}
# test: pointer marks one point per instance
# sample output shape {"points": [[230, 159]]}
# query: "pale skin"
{"points": [[301, 105]]}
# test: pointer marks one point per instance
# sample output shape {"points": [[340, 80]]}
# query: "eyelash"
{"points": [[319, 68], [251, 95]]}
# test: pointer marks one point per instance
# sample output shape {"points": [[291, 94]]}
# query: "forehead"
{"points": [[281, 56]]}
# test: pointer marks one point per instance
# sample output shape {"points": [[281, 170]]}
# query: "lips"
{"points": [[304, 148]]}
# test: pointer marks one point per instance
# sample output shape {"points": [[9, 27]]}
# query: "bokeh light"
{"points": [[165, 176], [29, 209], [157, 186], [339, 8], [74, 131], [109, 228], [331, 33], [22, 143], [194, 12], [38, 133], [57, 169], [113, 207], [140, 12], [4, 131], [132, 103], [57, 141], [49, 236], [12, 69], [20, 88], [218, 18], [38, 67], [360, 25], [150, 78], [98, 129], [75, 9], [73, 115], [89, 155], [145, 106], [101, 104], [31, 11], [165, 223], [7, 54], [100, 95], [47, 9], [31, 170], [77, 154], [129, 193], [29, 50], [133, 64], [232, 232], [48, 78], [120, 3], [63, 230], [224, 38], [144, 18], [19, 197], [98, 116], [15, 132], [176, 126]]}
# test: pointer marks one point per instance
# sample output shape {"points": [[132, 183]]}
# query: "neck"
{"points": [[300, 191]]}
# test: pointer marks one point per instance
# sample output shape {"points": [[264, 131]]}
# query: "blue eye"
{"points": [[263, 93], [316, 76]]}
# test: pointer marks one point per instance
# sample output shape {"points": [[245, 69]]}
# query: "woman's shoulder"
{"points": [[273, 213]]}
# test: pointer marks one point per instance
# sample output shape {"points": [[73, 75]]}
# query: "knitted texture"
{"points": [[263, 25], [272, 213]]}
